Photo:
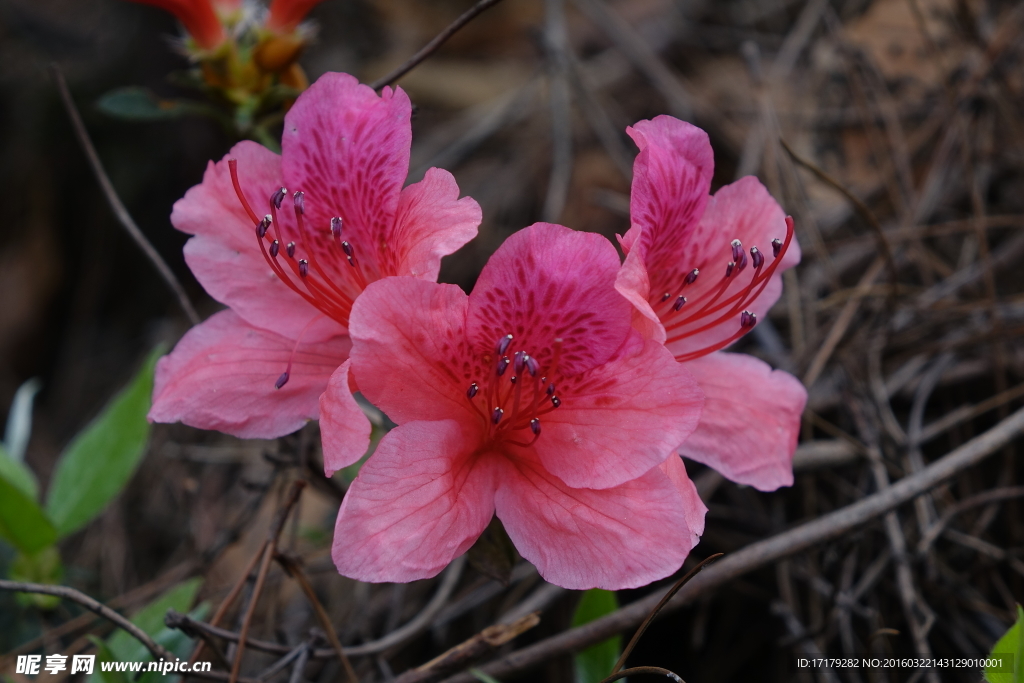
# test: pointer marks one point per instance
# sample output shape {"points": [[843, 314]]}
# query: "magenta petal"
{"points": [[751, 420], [225, 256], [344, 428], [410, 348], [347, 149], [742, 210], [431, 222], [222, 376], [616, 538], [620, 419], [419, 502], [548, 281]]}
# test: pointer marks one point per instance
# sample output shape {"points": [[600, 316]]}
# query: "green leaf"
{"points": [[101, 459], [22, 522], [103, 654], [40, 567], [595, 663], [481, 676], [19, 475], [141, 104], [1008, 651]]}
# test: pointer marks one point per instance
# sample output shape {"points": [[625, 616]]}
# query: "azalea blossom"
{"points": [[531, 398], [332, 218], [700, 270]]}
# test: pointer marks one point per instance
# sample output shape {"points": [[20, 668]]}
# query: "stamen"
{"points": [[336, 227], [551, 389], [512, 379], [756, 257], [535, 426], [748, 319], [496, 415], [282, 380], [742, 263], [532, 366], [290, 249], [261, 229], [472, 391], [665, 297], [278, 197], [502, 345], [555, 401], [776, 247], [679, 303], [299, 199], [729, 268], [303, 267], [737, 249], [275, 248], [520, 361], [502, 366], [691, 277]]}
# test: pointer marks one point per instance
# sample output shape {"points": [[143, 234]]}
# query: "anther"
{"points": [[519, 361], [275, 247], [737, 249], [473, 389], [347, 248], [300, 203], [303, 267], [555, 401], [742, 263], [503, 343], [282, 380], [535, 426], [531, 366], [679, 303], [776, 247], [290, 249], [729, 268], [336, 227], [551, 389], [278, 197], [261, 229], [691, 277], [497, 415], [665, 297], [756, 257], [748, 319], [513, 379], [502, 365]]}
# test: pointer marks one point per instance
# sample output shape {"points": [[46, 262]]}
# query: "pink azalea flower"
{"points": [[533, 399], [257, 370], [696, 288]]}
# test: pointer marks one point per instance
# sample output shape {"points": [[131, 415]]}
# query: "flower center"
{"points": [[514, 401], [683, 318], [330, 291]]}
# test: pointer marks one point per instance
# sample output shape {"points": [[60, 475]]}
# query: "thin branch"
{"points": [[434, 44], [123, 217], [158, 651], [638, 670], [764, 552]]}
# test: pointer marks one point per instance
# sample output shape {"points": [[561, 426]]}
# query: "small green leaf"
{"points": [[101, 459], [1010, 647], [103, 654], [19, 475], [482, 677], [595, 663], [141, 104], [40, 567], [22, 522]]}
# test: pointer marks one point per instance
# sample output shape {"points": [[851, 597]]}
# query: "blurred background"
{"points": [[907, 332]]}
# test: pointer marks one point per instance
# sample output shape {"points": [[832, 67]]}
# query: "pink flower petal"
{"points": [[410, 350], [418, 502], [221, 376], [615, 538], [751, 420], [347, 149], [344, 428], [693, 506], [671, 182], [225, 256], [431, 222], [742, 210], [642, 403], [546, 282]]}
